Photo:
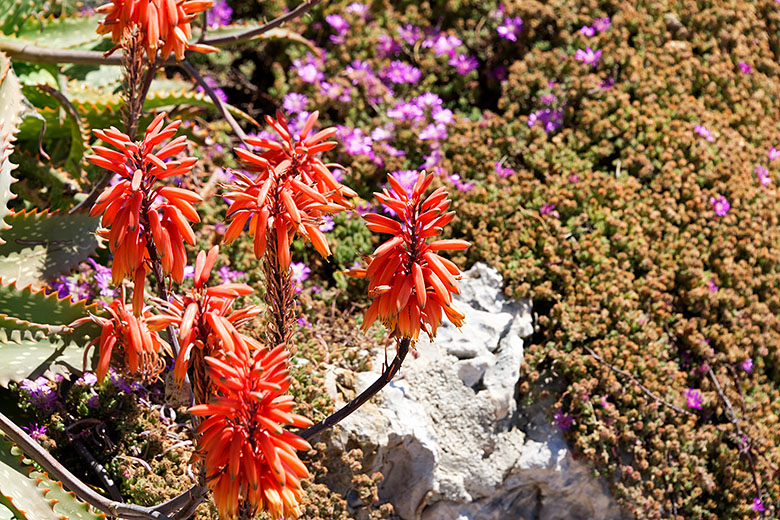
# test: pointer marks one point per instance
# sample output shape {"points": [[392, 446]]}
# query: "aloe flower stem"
{"points": [[390, 371]]}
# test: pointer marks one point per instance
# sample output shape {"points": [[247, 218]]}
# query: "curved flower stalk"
{"points": [[250, 460], [135, 337], [137, 212], [164, 24], [411, 283], [293, 189], [208, 325]]}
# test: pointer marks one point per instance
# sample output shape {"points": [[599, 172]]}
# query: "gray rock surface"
{"points": [[446, 434]]}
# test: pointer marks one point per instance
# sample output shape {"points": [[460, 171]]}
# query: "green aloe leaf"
{"points": [[40, 246], [11, 106], [14, 13], [30, 308], [58, 33], [32, 493], [28, 355]]}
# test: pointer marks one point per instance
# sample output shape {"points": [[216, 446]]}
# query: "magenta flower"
{"points": [[327, 224], [588, 56], [294, 102], [562, 420], [35, 431], [300, 272], [503, 171], [607, 84], [747, 365], [219, 15], [446, 45], [763, 175], [463, 63], [588, 31], [510, 28], [358, 9], [711, 284], [549, 209], [702, 131], [601, 24], [774, 154], [693, 399], [308, 69], [550, 119], [401, 72], [758, 506], [410, 34], [721, 205], [387, 46], [745, 68]]}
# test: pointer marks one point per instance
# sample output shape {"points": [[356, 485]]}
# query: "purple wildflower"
{"points": [[103, 280], [401, 72], [300, 271], [220, 14], [588, 56], [93, 402], [40, 394], [510, 28], [358, 9], [550, 119], [763, 175], [721, 205], [562, 420], [387, 46], [431, 160], [463, 186], [303, 322], [308, 68], [503, 171], [463, 63], [327, 224], [443, 116], [336, 91], [588, 31], [228, 275], [758, 506], [433, 131], [428, 100], [446, 45], [407, 178], [549, 209], [745, 68], [406, 111], [747, 365], [410, 34], [549, 99], [340, 25], [382, 133], [774, 154], [35, 431], [88, 379], [702, 131], [601, 24], [712, 287], [294, 102], [355, 141], [693, 399]]}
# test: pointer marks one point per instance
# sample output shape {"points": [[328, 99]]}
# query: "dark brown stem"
{"points": [[387, 376], [279, 296], [215, 98], [98, 469], [634, 380]]}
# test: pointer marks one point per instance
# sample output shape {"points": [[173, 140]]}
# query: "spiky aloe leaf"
{"points": [[101, 108], [42, 245], [67, 32], [31, 308], [11, 107], [28, 355], [33, 493]]}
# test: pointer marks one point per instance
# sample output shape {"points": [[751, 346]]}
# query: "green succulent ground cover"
{"points": [[597, 186]]}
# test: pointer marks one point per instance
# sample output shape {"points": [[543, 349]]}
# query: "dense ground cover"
{"points": [[616, 161]]}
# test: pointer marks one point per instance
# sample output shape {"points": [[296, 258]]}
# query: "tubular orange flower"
{"points": [[164, 24], [248, 455], [412, 285], [136, 338], [139, 214], [208, 325], [292, 191]]}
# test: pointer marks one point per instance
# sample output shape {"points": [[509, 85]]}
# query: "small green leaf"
{"points": [[40, 246], [14, 13]]}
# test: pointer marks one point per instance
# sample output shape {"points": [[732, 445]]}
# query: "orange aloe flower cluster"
{"points": [[293, 189], [136, 337], [133, 209], [412, 285], [164, 24], [206, 319], [248, 455]]}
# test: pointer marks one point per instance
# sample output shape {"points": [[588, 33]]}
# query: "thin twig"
{"points": [[215, 98], [743, 438], [98, 469], [250, 34], [634, 380], [368, 393], [70, 481]]}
